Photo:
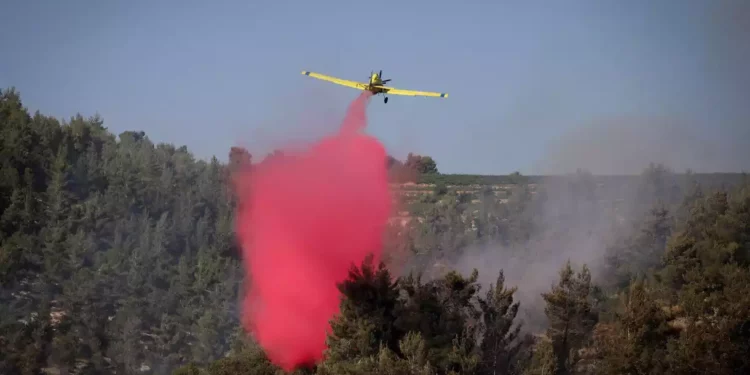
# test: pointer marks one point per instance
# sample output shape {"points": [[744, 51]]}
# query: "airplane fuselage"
{"points": [[375, 81], [374, 86]]}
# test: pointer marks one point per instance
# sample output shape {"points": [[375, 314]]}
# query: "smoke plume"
{"points": [[578, 224]]}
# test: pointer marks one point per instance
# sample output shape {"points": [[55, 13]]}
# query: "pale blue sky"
{"points": [[522, 75]]}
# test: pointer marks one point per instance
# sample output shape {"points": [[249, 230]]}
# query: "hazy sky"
{"points": [[532, 84]]}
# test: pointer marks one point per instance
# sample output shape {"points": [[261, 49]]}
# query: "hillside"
{"points": [[117, 255]]}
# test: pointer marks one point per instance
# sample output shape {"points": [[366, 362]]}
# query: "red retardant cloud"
{"points": [[302, 221]]}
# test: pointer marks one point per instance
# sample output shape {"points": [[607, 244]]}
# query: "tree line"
{"points": [[676, 303]]}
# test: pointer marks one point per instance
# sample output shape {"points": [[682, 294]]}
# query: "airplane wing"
{"points": [[339, 81], [395, 91]]}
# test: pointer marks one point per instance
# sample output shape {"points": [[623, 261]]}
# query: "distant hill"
{"points": [[705, 179]]}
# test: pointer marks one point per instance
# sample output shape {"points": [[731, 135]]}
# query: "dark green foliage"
{"points": [[641, 253], [636, 342], [423, 165], [571, 311], [708, 262], [411, 169], [251, 361], [444, 325], [368, 310], [694, 318], [114, 253], [501, 345]]}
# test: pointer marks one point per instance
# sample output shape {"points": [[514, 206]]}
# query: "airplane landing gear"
{"points": [[385, 100]]}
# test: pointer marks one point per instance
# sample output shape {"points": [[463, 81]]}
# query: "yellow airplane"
{"points": [[375, 86]]}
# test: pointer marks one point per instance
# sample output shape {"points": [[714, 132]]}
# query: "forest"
{"points": [[117, 256]]}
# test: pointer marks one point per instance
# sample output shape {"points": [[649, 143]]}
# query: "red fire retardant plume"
{"points": [[302, 221]]}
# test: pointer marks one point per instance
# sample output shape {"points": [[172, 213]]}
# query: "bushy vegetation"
{"points": [[118, 256], [115, 256]]}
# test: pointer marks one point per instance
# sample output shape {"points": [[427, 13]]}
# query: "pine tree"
{"points": [[367, 314], [500, 344], [571, 313], [636, 342]]}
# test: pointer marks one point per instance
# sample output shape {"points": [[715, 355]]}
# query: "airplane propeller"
{"points": [[381, 77]]}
